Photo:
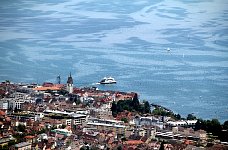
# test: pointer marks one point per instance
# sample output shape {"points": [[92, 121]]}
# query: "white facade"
{"points": [[107, 125], [21, 123], [182, 123], [39, 116], [68, 122], [18, 95], [70, 84], [148, 121], [70, 88], [79, 119], [63, 131], [4, 105], [17, 104]]}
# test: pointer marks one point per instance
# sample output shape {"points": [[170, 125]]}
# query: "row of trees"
{"points": [[214, 127], [211, 126], [130, 105], [161, 112]]}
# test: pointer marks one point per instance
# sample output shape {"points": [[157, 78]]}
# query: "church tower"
{"points": [[70, 84]]}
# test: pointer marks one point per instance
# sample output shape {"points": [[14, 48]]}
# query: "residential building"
{"points": [[22, 146], [4, 104], [107, 125], [78, 119], [100, 113], [182, 123], [148, 121], [16, 104], [5, 140]]}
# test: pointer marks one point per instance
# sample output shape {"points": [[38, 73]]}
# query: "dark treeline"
{"points": [[219, 131], [130, 105]]}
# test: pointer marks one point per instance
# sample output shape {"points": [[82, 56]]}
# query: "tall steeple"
{"points": [[58, 79], [70, 79], [70, 84]]}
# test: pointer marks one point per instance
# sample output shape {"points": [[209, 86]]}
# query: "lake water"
{"points": [[127, 40]]}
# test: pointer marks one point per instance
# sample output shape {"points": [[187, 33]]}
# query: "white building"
{"points": [[18, 95], [148, 132], [74, 118], [38, 116], [16, 104], [4, 104], [181, 123], [63, 131], [107, 125], [148, 121], [79, 119]]}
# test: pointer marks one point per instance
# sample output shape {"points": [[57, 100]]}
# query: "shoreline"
{"points": [[125, 92]]}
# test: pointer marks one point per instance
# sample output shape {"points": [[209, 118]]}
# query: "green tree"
{"points": [[162, 147], [147, 107], [78, 102], [7, 81], [12, 142], [119, 147], [135, 102], [94, 147], [63, 126], [114, 109], [125, 120], [5, 147], [21, 128], [140, 109], [83, 148], [158, 111], [19, 137], [177, 116], [120, 105], [191, 117], [225, 125], [215, 126], [200, 124]]}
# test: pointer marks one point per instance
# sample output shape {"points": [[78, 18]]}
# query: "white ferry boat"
{"points": [[108, 80]]}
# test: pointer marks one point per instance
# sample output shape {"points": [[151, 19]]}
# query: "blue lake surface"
{"points": [[127, 40]]}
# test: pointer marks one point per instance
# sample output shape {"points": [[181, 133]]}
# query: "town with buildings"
{"points": [[62, 116]]}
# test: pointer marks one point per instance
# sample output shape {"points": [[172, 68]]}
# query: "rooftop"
{"points": [[53, 88], [107, 125], [23, 144], [133, 142]]}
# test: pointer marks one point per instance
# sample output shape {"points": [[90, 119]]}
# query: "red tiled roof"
{"points": [[29, 137], [133, 142], [2, 113], [53, 88], [2, 92], [8, 119]]}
